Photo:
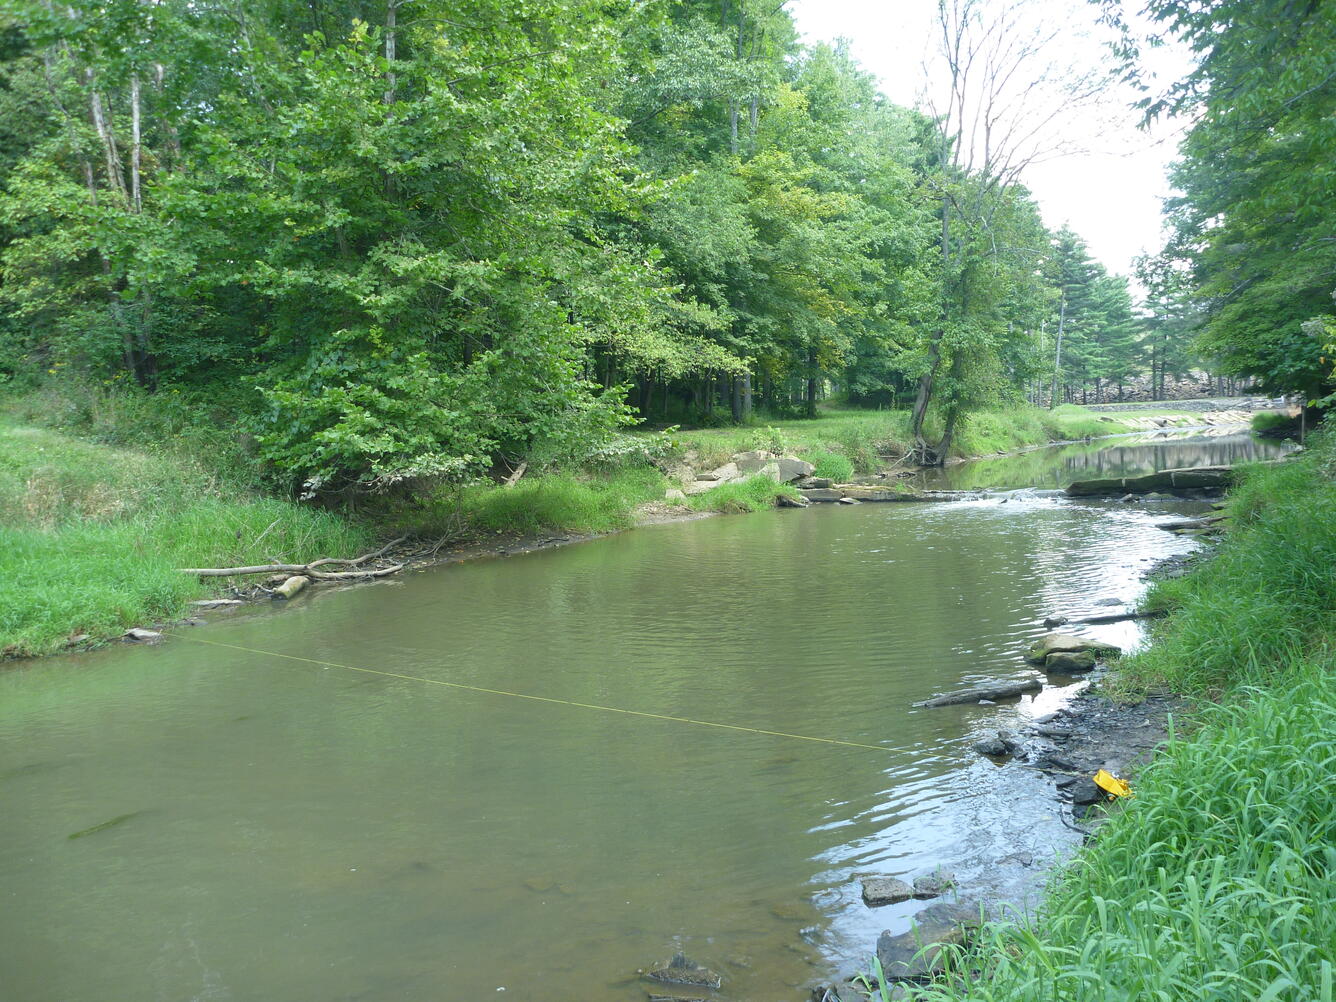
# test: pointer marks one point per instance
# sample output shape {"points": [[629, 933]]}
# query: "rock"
{"points": [[822, 494], [729, 471], [1065, 643], [999, 690], [1053, 621], [139, 635], [700, 487], [915, 955], [991, 747], [793, 469], [816, 482], [878, 891], [291, 586], [1084, 791], [848, 500], [681, 971], [785, 501], [674, 494], [934, 884], [1063, 661], [1109, 601], [1019, 858], [216, 603]]}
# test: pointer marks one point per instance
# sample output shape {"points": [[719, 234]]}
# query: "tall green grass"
{"points": [[91, 536], [567, 502], [1216, 880], [752, 494]]}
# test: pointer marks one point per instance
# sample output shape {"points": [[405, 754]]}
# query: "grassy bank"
{"points": [[91, 536], [1215, 881]]}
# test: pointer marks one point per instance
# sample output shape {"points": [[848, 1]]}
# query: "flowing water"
{"points": [[288, 831]]}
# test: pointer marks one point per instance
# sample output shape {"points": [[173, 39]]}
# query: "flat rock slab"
{"points": [[1054, 643], [878, 891], [1000, 690]]}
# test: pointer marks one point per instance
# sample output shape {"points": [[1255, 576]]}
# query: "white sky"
{"points": [[1110, 195]]}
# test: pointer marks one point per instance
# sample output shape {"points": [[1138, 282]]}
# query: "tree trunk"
{"points": [[136, 145], [1057, 353], [747, 395], [735, 398]]}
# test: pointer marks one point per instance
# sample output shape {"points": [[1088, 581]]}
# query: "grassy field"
{"points": [[1215, 881], [91, 536]]}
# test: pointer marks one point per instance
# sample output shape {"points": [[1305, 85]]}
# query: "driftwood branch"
{"points": [[353, 575], [514, 478], [222, 572]]}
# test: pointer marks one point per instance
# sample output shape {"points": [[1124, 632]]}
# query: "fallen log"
{"points": [[1120, 617], [999, 690], [222, 572], [379, 572]]}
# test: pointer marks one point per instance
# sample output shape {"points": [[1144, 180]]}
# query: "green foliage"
{"points": [[1267, 420], [831, 464], [1267, 600], [562, 501], [1256, 172], [91, 536]]}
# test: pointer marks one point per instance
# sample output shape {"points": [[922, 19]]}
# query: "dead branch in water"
{"points": [[222, 572]]}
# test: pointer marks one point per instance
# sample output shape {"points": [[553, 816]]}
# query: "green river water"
{"points": [[301, 833]]}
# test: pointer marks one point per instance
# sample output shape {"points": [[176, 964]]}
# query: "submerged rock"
{"points": [[139, 635], [878, 891], [934, 884], [681, 971]]}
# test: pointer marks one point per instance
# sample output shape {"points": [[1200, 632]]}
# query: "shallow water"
{"points": [[1123, 456], [303, 832]]}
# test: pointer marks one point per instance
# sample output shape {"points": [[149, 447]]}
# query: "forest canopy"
{"points": [[406, 238]]}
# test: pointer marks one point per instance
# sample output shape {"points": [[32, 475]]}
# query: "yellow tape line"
{"points": [[538, 699]]}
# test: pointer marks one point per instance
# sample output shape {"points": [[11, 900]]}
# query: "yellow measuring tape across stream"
{"points": [[537, 699]]}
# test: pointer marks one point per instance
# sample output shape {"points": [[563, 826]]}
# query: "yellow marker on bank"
{"points": [[1111, 784]]}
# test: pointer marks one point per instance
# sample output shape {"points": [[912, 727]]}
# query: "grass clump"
{"points": [[562, 501], [752, 494], [91, 536], [831, 464]]}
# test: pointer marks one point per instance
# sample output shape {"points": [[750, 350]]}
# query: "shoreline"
{"points": [[507, 544]]}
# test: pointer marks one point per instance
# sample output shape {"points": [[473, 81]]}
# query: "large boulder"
{"points": [[1053, 643]]}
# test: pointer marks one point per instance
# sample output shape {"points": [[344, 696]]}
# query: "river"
{"points": [[298, 832]]}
